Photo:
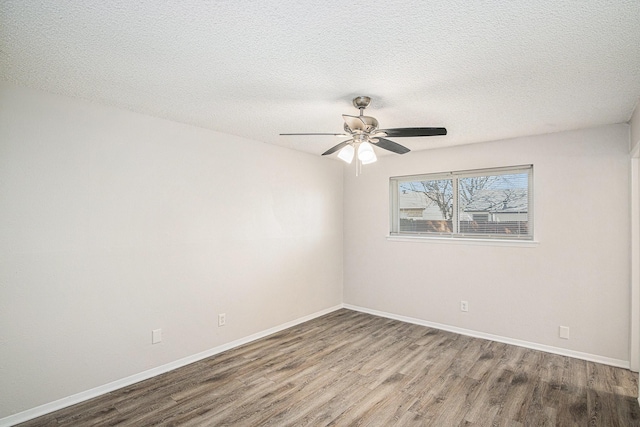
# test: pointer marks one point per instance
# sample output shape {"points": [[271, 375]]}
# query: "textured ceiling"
{"points": [[485, 70]]}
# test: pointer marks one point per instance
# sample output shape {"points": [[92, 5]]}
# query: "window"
{"points": [[485, 204]]}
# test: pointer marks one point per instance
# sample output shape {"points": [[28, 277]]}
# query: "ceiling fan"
{"points": [[363, 132]]}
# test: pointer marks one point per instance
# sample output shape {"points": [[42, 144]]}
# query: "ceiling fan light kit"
{"points": [[347, 153], [364, 134], [366, 154]]}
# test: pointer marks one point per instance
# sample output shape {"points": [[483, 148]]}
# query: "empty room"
{"points": [[389, 213]]}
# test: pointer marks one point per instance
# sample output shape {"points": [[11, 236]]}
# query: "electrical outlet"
{"points": [[464, 306], [156, 336], [564, 332], [222, 319]]}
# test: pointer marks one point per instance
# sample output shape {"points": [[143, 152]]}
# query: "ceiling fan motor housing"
{"points": [[361, 124]]}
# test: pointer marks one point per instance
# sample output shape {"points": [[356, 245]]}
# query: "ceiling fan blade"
{"points": [[336, 147], [391, 146], [406, 132], [332, 134], [354, 122]]}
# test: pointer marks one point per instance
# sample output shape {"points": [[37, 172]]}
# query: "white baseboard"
{"points": [[115, 385], [520, 343]]}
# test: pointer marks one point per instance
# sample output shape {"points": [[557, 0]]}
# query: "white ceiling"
{"points": [[485, 70]]}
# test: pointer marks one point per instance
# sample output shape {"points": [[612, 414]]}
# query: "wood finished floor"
{"points": [[349, 368]]}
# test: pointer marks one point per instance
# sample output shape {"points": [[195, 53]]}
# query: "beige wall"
{"points": [[634, 145], [635, 128], [114, 224], [577, 275]]}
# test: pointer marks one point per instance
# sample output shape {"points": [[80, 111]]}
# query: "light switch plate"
{"points": [[156, 336]]}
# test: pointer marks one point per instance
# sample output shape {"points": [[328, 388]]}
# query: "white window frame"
{"points": [[394, 184]]}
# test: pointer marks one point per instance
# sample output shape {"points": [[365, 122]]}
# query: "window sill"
{"points": [[465, 241]]}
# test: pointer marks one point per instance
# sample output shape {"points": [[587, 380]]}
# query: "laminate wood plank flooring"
{"points": [[349, 368]]}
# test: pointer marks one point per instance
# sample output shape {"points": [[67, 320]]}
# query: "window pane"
{"points": [[494, 205], [425, 206], [483, 203]]}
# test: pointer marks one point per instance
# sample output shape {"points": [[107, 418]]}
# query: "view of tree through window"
{"points": [[488, 203]]}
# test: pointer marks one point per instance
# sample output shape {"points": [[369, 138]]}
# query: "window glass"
{"points": [[494, 204], [426, 206], [491, 203]]}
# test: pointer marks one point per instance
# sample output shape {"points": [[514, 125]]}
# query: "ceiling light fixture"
{"points": [[363, 130], [347, 153], [366, 153], [362, 151]]}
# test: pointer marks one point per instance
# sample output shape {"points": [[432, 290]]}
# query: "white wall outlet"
{"points": [[156, 336], [564, 332], [464, 306], [222, 319]]}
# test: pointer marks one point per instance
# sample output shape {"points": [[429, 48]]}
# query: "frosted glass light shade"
{"points": [[366, 153], [346, 153]]}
